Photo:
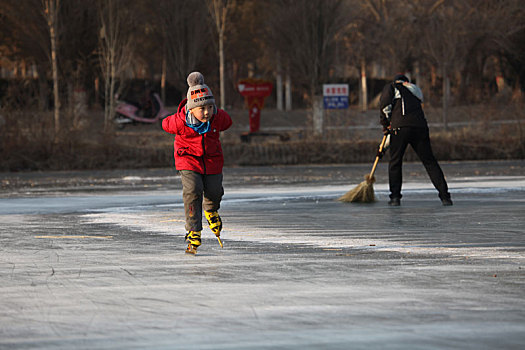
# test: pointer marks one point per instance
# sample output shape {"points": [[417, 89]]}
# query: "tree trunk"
{"points": [[111, 110], [43, 88], [417, 75], [279, 85], [107, 92], [221, 68], [163, 75], [116, 54], [97, 91], [318, 115], [288, 92], [51, 7], [219, 10], [364, 92], [446, 97]]}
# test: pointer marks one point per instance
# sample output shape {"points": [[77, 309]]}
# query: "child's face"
{"points": [[203, 113]]}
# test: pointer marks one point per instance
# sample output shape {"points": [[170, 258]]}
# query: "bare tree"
{"points": [[27, 35], [185, 45], [309, 36], [454, 32], [447, 37], [382, 32], [79, 35], [51, 15], [116, 51], [219, 11], [495, 27], [26, 38], [368, 34], [305, 33], [248, 52]]}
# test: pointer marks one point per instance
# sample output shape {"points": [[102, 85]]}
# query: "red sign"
{"points": [[254, 92], [255, 88]]}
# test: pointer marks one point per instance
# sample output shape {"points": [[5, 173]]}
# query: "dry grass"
{"points": [[27, 141]]}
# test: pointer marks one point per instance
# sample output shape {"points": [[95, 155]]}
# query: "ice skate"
{"points": [[215, 222], [194, 241]]}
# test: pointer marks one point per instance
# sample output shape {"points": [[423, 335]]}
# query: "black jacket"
{"points": [[401, 109]]}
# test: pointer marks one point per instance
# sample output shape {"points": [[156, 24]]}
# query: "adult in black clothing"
{"points": [[403, 118]]}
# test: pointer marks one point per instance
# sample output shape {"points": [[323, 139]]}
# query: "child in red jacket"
{"points": [[198, 157]]}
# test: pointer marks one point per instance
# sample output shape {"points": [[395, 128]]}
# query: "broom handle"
{"points": [[377, 158]]}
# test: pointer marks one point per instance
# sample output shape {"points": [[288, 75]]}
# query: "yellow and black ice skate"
{"points": [[215, 222], [194, 241]]}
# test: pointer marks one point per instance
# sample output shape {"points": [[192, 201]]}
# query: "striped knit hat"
{"points": [[199, 94]]}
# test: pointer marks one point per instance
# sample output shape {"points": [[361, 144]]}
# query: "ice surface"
{"points": [[299, 270]]}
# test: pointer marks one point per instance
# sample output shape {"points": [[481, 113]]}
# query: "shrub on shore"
{"points": [[27, 143]]}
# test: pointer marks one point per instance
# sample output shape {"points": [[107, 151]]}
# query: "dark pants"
{"points": [[419, 139], [200, 192]]}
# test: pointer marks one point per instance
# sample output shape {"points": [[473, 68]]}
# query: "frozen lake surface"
{"points": [[96, 261]]}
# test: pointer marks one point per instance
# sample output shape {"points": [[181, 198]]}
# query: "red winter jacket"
{"points": [[200, 153]]}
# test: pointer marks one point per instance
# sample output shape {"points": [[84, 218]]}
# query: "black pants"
{"points": [[419, 139]]}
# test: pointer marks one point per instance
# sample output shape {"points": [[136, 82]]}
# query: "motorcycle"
{"points": [[151, 112]]}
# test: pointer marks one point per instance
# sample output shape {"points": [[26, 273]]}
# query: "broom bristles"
{"points": [[364, 192]]}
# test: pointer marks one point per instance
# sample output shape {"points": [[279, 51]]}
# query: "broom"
{"points": [[364, 192]]}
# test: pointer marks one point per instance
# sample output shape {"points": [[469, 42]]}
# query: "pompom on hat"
{"points": [[199, 94]]}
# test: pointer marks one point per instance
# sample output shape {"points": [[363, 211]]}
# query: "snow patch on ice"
{"points": [[158, 219]]}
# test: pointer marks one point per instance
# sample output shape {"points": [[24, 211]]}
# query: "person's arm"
{"points": [[225, 120], [385, 105], [169, 124]]}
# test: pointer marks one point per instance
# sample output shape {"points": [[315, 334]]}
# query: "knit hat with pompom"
{"points": [[199, 94]]}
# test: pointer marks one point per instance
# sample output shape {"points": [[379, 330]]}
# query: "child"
{"points": [[198, 157]]}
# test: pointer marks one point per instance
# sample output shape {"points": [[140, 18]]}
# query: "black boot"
{"points": [[446, 201], [394, 202]]}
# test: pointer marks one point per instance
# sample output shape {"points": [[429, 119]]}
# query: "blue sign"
{"points": [[335, 102], [335, 96]]}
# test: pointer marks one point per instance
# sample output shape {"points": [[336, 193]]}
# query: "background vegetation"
{"points": [[64, 61]]}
